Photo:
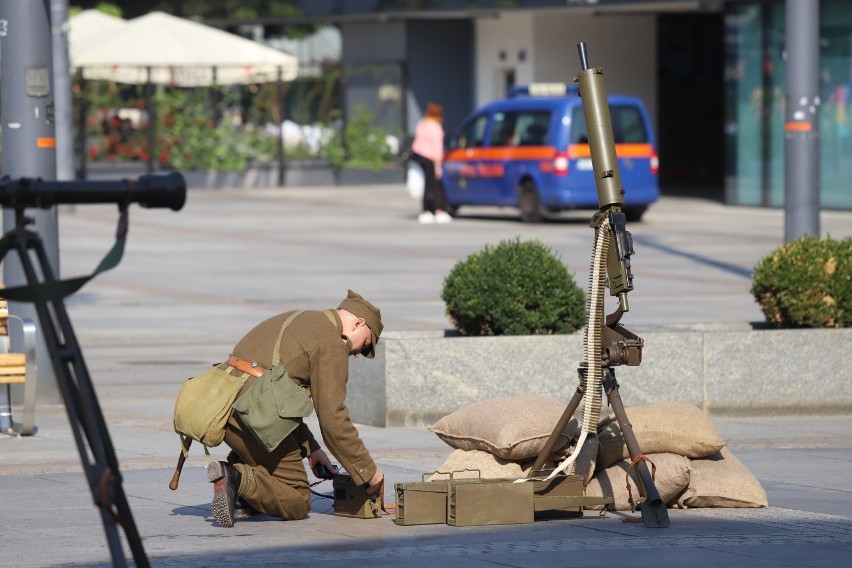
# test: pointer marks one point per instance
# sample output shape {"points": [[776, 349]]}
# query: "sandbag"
{"points": [[512, 428], [671, 478], [464, 464], [721, 480], [664, 427]]}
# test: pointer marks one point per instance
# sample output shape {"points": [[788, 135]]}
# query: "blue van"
{"points": [[531, 151]]}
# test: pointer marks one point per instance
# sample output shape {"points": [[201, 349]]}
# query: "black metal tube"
{"points": [[153, 190], [584, 56]]}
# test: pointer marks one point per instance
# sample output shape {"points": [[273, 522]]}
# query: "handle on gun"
{"points": [[173, 484]]}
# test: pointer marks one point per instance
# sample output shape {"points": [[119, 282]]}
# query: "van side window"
{"points": [[503, 129], [627, 125], [472, 135], [532, 127]]}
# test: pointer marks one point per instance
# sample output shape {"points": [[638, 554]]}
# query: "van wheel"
{"points": [[634, 214], [529, 203]]}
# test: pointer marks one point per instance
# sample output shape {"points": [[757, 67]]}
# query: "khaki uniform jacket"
{"points": [[316, 355]]}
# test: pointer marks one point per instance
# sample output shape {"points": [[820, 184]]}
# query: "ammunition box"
{"points": [[489, 502], [562, 497], [421, 503], [351, 500]]}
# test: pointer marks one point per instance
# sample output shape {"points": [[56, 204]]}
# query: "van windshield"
{"points": [[627, 125]]}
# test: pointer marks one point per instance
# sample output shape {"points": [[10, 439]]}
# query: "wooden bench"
{"points": [[17, 368]]}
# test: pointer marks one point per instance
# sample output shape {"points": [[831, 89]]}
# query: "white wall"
{"points": [[625, 46], [512, 36]]}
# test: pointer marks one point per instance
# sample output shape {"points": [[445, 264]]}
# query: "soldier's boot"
{"points": [[242, 510], [226, 481]]}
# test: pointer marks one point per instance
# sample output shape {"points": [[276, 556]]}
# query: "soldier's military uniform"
{"points": [[316, 356]]}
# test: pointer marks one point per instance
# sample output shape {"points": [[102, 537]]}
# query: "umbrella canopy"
{"points": [[169, 50], [89, 27]]}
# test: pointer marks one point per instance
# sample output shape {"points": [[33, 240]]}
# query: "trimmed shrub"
{"points": [[515, 288], [806, 283]]}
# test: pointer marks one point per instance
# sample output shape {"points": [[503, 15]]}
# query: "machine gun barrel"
{"points": [[607, 177], [167, 189], [584, 55], [599, 128]]}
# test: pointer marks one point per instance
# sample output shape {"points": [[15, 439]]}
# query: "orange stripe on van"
{"points": [[502, 153], [45, 142], [621, 150]]}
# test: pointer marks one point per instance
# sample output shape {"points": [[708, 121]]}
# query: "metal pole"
{"points": [[29, 143], [62, 90], [801, 126], [151, 133], [83, 111], [766, 110], [282, 113]]}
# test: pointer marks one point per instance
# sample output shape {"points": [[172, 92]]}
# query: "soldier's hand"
{"points": [[375, 482], [319, 457]]}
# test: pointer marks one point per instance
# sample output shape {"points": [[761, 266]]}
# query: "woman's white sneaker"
{"points": [[426, 217], [443, 217]]}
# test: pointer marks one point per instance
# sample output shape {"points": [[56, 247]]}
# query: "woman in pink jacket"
{"points": [[427, 149]]}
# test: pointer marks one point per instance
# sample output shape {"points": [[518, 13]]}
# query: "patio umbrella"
{"points": [[164, 49], [89, 27]]}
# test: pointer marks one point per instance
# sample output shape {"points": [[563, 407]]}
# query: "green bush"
{"points": [[515, 288], [806, 283]]}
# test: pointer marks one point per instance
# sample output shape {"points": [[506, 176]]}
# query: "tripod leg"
{"points": [[654, 512], [91, 435], [557, 432]]}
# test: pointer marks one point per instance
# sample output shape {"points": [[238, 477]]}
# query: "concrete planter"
{"points": [[418, 377], [298, 173]]}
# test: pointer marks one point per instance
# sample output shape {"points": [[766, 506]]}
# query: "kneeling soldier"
{"points": [[314, 349]]}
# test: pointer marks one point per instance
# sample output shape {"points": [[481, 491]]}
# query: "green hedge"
{"points": [[806, 283], [515, 288]]}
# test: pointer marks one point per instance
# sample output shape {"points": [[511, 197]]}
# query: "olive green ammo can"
{"points": [[421, 503], [489, 502]]}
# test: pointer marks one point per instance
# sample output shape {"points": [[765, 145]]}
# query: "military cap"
{"points": [[355, 304]]}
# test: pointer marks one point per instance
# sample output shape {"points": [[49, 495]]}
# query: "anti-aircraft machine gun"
{"points": [[91, 435], [607, 343]]}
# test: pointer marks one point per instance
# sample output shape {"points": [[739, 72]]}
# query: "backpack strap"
{"points": [[276, 353], [330, 315]]}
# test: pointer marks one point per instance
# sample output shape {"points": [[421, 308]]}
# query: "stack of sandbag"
{"points": [[692, 466], [501, 437]]}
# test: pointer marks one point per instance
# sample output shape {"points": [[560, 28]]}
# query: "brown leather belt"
{"points": [[245, 366]]}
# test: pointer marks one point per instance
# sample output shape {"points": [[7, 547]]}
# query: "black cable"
{"points": [[314, 484]]}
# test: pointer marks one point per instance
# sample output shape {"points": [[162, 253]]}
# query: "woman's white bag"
{"points": [[415, 181]]}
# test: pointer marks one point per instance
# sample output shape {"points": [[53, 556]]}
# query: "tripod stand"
{"points": [[91, 435], [84, 414]]}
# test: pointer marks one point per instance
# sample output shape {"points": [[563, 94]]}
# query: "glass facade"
{"points": [[754, 106]]}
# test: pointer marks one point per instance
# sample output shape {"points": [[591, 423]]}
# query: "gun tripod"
{"points": [[652, 508], [84, 414], [91, 435]]}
